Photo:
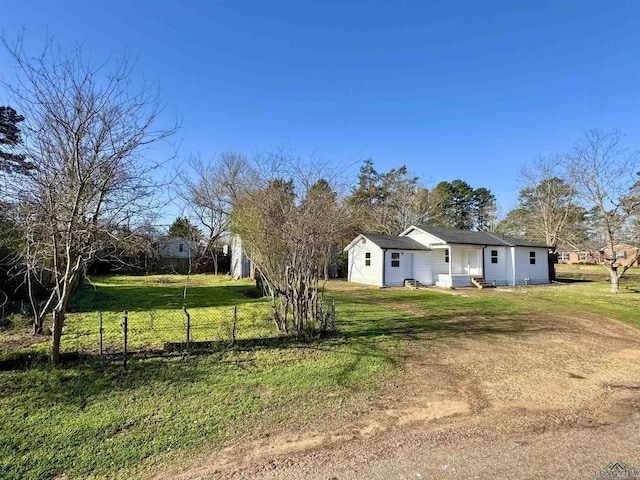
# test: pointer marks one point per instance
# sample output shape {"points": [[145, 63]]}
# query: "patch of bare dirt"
{"points": [[559, 401], [19, 337]]}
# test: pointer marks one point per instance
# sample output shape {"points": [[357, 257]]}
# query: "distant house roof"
{"points": [[390, 242], [621, 244], [467, 237]]}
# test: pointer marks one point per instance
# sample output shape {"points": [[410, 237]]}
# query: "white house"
{"points": [[177, 247], [446, 258]]}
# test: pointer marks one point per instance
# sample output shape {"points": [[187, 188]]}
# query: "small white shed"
{"points": [[240, 263]]}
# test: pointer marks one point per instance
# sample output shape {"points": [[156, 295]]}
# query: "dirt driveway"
{"points": [[561, 400]]}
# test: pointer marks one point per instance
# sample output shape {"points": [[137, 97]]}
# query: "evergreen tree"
{"points": [[182, 227], [458, 205], [383, 203], [10, 161]]}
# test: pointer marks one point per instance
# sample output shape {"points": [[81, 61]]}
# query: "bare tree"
{"points": [[548, 207], [608, 182], [290, 229], [289, 240], [209, 190], [85, 132]]}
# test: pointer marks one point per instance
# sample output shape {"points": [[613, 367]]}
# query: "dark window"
{"points": [[181, 247], [446, 256], [532, 258], [494, 256], [367, 259], [395, 259]]}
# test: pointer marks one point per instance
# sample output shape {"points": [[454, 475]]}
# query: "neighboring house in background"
{"points": [[240, 263], [576, 256], [446, 258], [177, 247], [624, 254]]}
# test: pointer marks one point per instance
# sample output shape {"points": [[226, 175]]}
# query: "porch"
{"points": [[462, 265], [454, 280]]}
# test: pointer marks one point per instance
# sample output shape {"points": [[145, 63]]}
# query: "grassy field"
{"points": [[92, 419]]}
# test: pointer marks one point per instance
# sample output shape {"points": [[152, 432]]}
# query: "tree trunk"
{"points": [[58, 323], [38, 323], [38, 314], [614, 279]]}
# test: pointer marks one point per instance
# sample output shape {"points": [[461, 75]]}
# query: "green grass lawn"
{"points": [[92, 419]]}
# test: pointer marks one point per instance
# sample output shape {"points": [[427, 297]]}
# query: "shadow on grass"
{"points": [[575, 280], [472, 324], [79, 378], [354, 332], [82, 377]]}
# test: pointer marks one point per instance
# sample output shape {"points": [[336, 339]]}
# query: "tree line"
{"points": [[76, 188]]}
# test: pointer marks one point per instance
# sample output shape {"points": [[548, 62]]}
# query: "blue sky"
{"points": [[470, 90]]}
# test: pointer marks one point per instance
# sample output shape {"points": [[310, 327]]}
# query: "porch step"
{"points": [[412, 283], [480, 282]]}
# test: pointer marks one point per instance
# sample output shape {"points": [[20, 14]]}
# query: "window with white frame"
{"points": [[395, 259], [582, 256], [563, 256], [621, 254]]}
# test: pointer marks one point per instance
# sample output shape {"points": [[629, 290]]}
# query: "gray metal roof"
{"points": [[467, 237], [395, 243]]}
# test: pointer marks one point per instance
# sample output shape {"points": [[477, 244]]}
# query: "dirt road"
{"points": [[560, 400]]}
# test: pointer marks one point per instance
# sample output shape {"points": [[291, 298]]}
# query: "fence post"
{"points": [[333, 315], [100, 317], [184, 309], [235, 325], [125, 326]]}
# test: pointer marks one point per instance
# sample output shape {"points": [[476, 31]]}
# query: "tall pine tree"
{"points": [[10, 161]]}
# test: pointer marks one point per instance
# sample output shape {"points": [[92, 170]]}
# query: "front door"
{"points": [[471, 262], [408, 265]]}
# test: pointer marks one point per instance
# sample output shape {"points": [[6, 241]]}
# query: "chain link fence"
{"points": [[170, 329]]}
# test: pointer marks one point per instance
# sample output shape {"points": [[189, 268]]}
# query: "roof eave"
{"points": [[407, 230], [353, 242]]}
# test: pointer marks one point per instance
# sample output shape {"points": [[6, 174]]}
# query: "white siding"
{"points": [[536, 273], [501, 272], [178, 247], [514, 266], [395, 276], [427, 265], [423, 267], [240, 264], [423, 237], [358, 270]]}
